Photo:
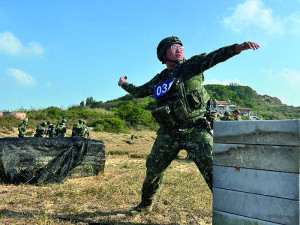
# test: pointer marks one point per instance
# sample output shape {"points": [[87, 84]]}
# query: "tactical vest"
{"points": [[177, 107]]}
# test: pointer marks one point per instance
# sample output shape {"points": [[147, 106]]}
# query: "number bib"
{"points": [[163, 88]]}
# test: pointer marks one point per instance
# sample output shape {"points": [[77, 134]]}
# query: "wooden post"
{"points": [[256, 172]]}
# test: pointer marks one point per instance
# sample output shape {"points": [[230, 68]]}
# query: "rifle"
{"points": [[210, 115]]}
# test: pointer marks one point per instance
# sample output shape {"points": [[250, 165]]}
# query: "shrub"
{"points": [[108, 124], [135, 115], [9, 122]]}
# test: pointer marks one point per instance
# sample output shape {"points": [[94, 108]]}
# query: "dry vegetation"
{"points": [[107, 198]]}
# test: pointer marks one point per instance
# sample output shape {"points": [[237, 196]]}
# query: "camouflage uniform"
{"points": [[75, 129], [191, 136], [51, 129], [40, 130], [226, 116], [238, 118], [86, 129], [22, 128], [61, 129], [80, 129], [236, 115]]}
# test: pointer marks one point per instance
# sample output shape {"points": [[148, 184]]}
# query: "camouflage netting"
{"points": [[49, 160]]}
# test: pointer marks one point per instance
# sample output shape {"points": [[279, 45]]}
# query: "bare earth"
{"points": [[107, 198]]}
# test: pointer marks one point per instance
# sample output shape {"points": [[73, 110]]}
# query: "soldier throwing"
{"points": [[181, 104], [22, 128]]}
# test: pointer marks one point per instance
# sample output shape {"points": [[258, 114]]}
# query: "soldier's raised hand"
{"points": [[245, 46], [122, 80]]}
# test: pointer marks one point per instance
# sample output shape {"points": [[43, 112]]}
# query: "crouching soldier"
{"points": [[226, 116], [51, 129], [236, 115], [22, 128], [40, 130], [61, 128]]}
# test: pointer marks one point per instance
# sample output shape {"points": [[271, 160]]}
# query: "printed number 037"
{"points": [[162, 89]]}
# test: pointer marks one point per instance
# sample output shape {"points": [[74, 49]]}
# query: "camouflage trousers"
{"points": [[196, 141]]}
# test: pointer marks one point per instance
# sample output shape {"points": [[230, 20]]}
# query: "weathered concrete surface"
{"points": [[49, 160], [221, 218], [262, 182], [263, 157], [263, 132], [260, 207], [256, 172]]}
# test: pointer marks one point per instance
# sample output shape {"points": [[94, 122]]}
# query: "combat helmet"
{"points": [[226, 113], [163, 44], [25, 120], [64, 121], [236, 111], [43, 124], [49, 122]]}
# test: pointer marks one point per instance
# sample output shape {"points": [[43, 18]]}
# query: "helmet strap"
{"points": [[178, 61]]}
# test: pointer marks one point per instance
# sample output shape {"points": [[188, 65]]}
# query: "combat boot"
{"points": [[144, 207]]}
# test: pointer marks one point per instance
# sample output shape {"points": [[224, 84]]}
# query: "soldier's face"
{"points": [[174, 53]]}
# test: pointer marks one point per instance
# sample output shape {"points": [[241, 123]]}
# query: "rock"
{"points": [[49, 160]]}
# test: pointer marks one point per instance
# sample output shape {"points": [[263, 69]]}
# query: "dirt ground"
{"points": [[107, 198]]}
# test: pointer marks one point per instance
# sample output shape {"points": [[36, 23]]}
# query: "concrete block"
{"points": [[266, 132], [262, 182], [260, 207], [265, 157], [221, 218]]}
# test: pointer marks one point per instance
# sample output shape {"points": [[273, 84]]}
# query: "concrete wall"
{"points": [[256, 172]]}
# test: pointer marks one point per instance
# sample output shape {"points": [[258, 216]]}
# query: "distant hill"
{"points": [[270, 108], [267, 107], [127, 112]]}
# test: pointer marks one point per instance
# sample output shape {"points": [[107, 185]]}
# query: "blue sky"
{"points": [[58, 53]]}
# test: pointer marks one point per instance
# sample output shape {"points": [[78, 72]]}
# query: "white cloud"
{"points": [[292, 22], [254, 13], [292, 77], [21, 77], [224, 82], [10, 44]]}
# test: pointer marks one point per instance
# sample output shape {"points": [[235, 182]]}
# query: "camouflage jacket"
{"points": [[80, 130], [226, 119], [191, 74], [51, 130], [40, 131], [238, 118], [22, 130], [61, 130]]}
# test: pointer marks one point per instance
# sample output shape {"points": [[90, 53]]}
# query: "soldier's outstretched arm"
{"points": [[245, 46]]}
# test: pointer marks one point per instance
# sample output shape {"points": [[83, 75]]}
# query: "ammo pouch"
{"points": [[181, 111], [173, 107], [194, 100], [163, 116]]}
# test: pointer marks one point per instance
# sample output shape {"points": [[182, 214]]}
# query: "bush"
{"points": [[108, 124], [135, 115], [9, 122]]}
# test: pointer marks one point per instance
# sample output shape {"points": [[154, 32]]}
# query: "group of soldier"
{"points": [[227, 116], [48, 129]]}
